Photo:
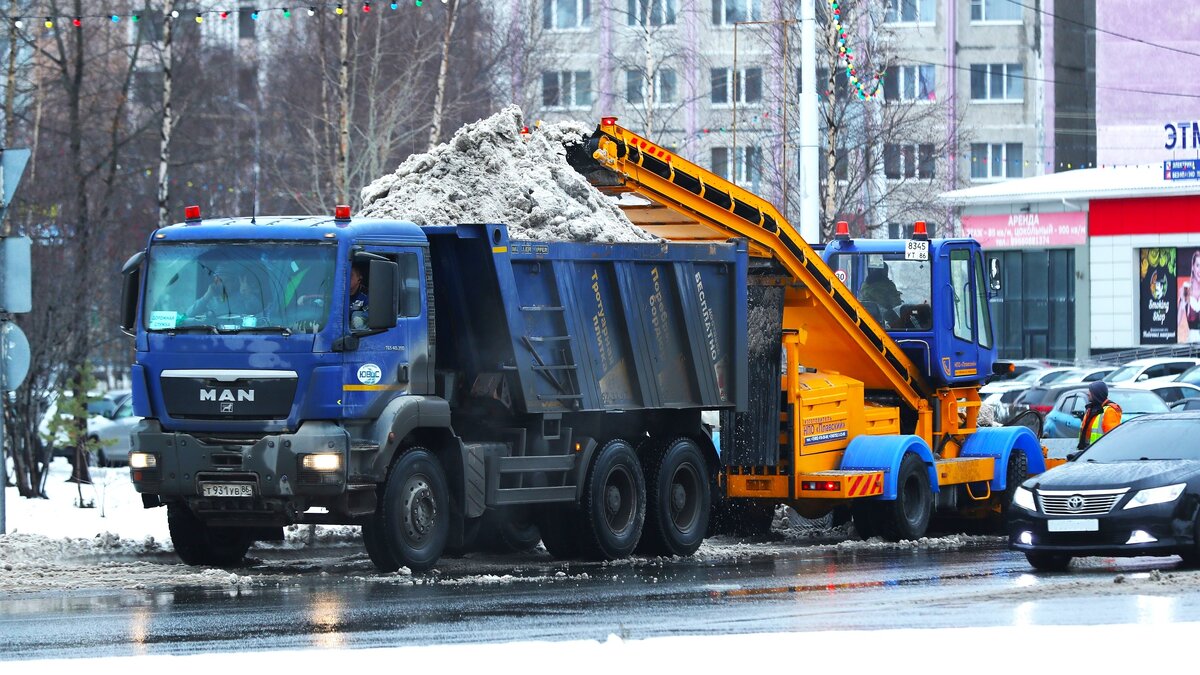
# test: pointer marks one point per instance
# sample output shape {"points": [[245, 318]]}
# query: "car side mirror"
{"points": [[1143, 377], [1071, 456], [132, 273], [383, 295], [1077, 414]]}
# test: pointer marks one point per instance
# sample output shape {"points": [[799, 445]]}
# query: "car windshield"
{"points": [[1137, 402], [235, 287], [1059, 376], [1160, 439], [894, 290], [1030, 376], [1123, 373]]}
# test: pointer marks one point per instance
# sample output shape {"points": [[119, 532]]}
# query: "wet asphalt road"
{"points": [[337, 602]]}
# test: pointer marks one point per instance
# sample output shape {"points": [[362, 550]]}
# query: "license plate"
{"points": [[1073, 525], [227, 489]]}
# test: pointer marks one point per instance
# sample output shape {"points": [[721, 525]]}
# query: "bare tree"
{"points": [[168, 120], [439, 100]]}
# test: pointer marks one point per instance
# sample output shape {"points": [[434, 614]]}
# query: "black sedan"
{"points": [[1135, 492]]}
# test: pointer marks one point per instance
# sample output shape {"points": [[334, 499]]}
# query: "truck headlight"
{"points": [[1158, 495], [322, 462], [142, 460], [1024, 499]]}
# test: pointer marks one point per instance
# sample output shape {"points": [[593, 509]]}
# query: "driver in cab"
{"points": [[879, 289]]}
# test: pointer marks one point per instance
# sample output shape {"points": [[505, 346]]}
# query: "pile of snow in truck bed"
{"points": [[492, 173]]}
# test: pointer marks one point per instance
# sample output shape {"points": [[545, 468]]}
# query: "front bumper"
{"points": [[271, 465], [1172, 530]]}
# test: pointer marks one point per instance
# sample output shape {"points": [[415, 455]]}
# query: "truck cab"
{"points": [[930, 295]]}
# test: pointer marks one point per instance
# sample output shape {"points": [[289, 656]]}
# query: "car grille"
{"points": [[1079, 502]]}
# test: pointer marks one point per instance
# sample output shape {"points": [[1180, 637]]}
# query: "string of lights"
{"points": [[21, 22], [846, 58]]}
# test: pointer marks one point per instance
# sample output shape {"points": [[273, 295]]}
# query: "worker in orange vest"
{"points": [[1100, 416]]}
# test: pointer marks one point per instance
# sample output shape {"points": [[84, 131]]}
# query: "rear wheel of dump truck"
{"points": [[510, 529], [559, 527], [415, 512], [614, 503], [199, 544], [907, 516], [677, 499]]}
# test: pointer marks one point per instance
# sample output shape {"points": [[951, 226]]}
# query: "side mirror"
{"points": [[995, 281], [1072, 455], [1143, 377], [132, 272], [1077, 414], [383, 295]]}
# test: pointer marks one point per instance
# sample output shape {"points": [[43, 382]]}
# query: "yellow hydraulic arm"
{"points": [[693, 204]]}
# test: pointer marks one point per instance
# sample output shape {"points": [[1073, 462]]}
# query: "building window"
{"points": [[910, 11], [905, 231], [664, 87], [567, 89], [841, 164], [910, 83], [562, 14], [997, 81], [742, 167], [995, 10], [651, 12], [996, 160], [745, 88], [729, 12], [909, 161]]}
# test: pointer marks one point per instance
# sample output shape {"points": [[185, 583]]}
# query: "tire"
{"points": [[511, 529], [614, 503], [415, 512], [678, 499], [1018, 470], [471, 539], [377, 549], [198, 544], [1048, 562], [907, 516], [559, 528]]}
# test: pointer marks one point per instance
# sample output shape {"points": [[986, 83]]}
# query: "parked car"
{"points": [[1030, 378], [1135, 492], [1190, 376], [1042, 398], [1000, 403], [106, 404], [1169, 391], [1087, 374], [110, 401], [1019, 367], [1149, 369], [1185, 404], [113, 434], [1064, 420]]}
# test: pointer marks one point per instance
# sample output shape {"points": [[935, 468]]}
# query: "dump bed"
{"points": [[545, 327]]}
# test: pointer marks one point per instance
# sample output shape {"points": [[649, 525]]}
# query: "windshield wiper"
{"points": [[212, 330], [283, 330]]}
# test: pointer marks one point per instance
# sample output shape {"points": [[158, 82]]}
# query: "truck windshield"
{"points": [[239, 287], [893, 290]]}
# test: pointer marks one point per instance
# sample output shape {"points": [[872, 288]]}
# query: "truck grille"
{"points": [[1079, 502]]}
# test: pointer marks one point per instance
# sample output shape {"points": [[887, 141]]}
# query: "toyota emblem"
{"points": [[1075, 503]]}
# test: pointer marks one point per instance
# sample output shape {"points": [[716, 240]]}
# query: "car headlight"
{"points": [[1024, 499], [322, 462], [1158, 495], [142, 460]]}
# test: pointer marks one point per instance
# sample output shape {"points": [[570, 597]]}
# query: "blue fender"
{"points": [[876, 453], [999, 443]]}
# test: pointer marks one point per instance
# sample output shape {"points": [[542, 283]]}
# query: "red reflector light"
{"points": [[341, 212], [137, 475], [607, 121], [191, 212], [821, 486], [524, 130]]}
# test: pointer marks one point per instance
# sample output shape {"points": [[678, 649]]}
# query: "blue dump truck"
{"points": [[439, 386]]}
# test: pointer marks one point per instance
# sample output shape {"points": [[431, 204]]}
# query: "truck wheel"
{"points": [[198, 544], [415, 513], [614, 503], [377, 549], [677, 499], [907, 516], [559, 527], [472, 537], [511, 530], [1018, 467]]}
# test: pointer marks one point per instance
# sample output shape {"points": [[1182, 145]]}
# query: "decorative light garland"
{"points": [[846, 56], [256, 14]]}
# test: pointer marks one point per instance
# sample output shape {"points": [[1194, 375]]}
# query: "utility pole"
{"points": [[810, 183]]}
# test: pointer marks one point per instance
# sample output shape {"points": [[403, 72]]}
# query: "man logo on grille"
{"points": [[1075, 503]]}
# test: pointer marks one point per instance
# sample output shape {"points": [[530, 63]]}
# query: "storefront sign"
{"points": [[1027, 230], [1169, 295], [1181, 169]]}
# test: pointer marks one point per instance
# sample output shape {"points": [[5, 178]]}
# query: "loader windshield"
{"points": [[895, 291], [226, 287]]}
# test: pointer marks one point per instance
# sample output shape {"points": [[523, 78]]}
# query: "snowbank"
{"points": [[490, 172]]}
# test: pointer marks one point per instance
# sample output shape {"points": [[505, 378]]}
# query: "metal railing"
{"points": [[1165, 351]]}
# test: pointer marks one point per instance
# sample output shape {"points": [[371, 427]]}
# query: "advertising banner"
{"points": [[1157, 285], [1027, 230], [1187, 295]]}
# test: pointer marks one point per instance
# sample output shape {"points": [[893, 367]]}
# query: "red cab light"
{"points": [[191, 213], [920, 233], [843, 231], [341, 212]]}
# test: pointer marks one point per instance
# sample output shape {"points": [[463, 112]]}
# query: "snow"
{"points": [[490, 172], [1002, 650]]}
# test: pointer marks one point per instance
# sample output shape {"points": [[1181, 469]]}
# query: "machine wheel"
{"points": [[677, 499], [1048, 562], [559, 528], [907, 516], [614, 503], [415, 512], [377, 549], [511, 530], [1018, 468], [472, 538], [199, 544]]}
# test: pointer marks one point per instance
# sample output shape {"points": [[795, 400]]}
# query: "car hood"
{"points": [[1137, 474]]}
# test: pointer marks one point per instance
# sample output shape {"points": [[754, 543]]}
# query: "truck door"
{"points": [[970, 355], [387, 364]]}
